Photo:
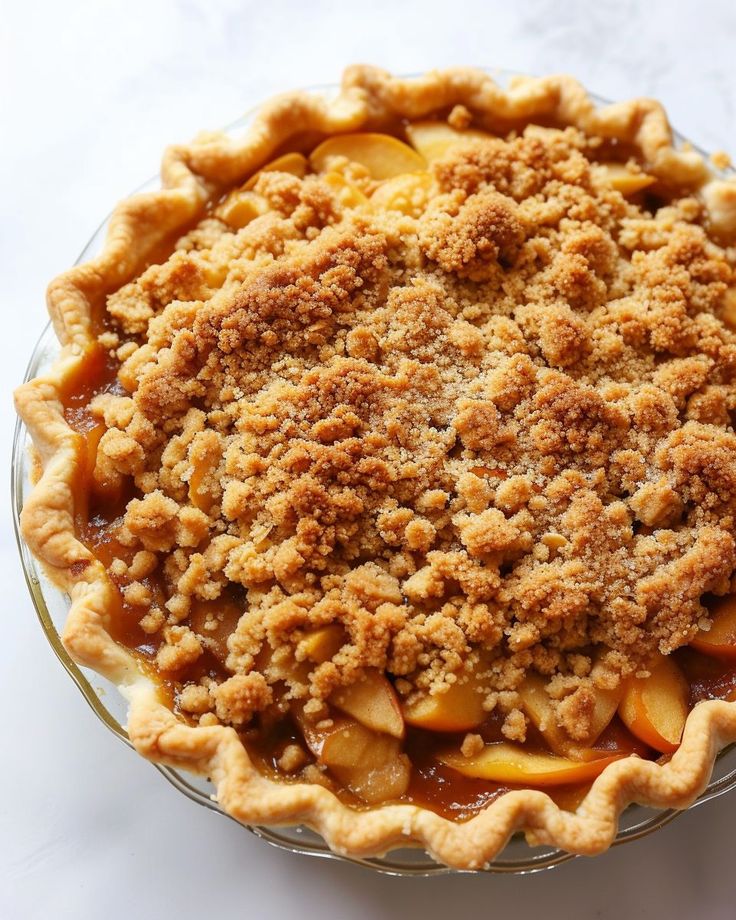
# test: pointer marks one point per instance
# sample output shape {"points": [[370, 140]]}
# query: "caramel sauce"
{"points": [[442, 789], [97, 374], [99, 537]]}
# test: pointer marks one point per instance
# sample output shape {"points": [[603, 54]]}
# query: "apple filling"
{"points": [[413, 463]]}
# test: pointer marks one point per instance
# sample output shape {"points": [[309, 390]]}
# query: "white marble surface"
{"points": [[91, 92]]}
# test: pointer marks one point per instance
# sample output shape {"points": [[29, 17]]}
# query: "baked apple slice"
{"points": [[244, 205], [606, 705], [203, 466], [625, 180], [433, 139], [541, 711], [457, 709], [240, 208], [728, 308], [215, 621], [104, 480], [654, 708], [720, 640], [294, 163], [372, 702], [504, 762], [382, 155], [92, 438], [323, 643], [369, 764], [313, 735]]}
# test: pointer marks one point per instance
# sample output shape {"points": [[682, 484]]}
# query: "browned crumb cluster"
{"points": [[500, 421]]}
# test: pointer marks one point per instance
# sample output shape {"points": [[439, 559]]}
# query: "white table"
{"points": [[91, 92]]}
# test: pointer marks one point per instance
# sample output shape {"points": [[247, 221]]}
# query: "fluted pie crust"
{"points": [[191, 177]]}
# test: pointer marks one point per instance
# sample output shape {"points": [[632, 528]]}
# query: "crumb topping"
{"points": [[497, 420]]}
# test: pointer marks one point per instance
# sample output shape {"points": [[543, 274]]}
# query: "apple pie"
{"points": [[389, 463]]}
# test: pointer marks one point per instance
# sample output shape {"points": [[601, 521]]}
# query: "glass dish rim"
{"points": [[275, 836]]}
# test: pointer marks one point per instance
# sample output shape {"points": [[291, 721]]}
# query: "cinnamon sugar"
{"points": [[502, 423]]}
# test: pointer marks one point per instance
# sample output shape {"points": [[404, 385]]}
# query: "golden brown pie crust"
{"points": [[192, 176]]}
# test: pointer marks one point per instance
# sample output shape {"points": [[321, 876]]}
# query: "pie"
{"points": [[389, 463]]}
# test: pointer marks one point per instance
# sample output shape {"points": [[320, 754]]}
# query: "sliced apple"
{"points": [[243, 205], [720, 640], [349, 195], [406, 193], [458, 709], [240, 208], [382, 155], [370, 765], [313, 736], [728, 309], [92, 439], [199, 495], [294, 163], [503, 762], [104, 480], [625, 180], [372, 701], [541, 711], [654, 708], [215, 622], [606, 705], [323, 643], [433, 139]]}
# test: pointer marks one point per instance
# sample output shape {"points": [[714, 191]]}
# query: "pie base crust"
{"points": [[191, 176]]}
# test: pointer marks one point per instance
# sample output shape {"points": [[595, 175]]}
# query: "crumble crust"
{"points": [[500, 423]]}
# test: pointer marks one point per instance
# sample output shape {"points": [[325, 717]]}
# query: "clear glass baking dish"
{"points": [[52, 606]]}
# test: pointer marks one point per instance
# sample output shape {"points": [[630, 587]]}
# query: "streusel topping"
{"points": [[497, 419]]}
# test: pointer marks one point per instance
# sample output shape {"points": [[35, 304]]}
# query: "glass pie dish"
{"points": [[52, 607]]}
